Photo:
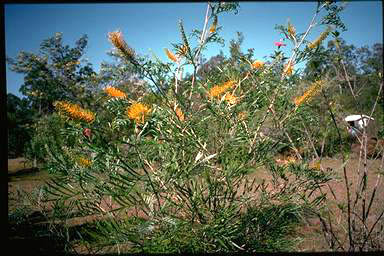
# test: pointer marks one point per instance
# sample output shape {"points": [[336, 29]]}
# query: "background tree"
{"points": [[19, 120], [210, 65], [56, 73], [363, 65]]}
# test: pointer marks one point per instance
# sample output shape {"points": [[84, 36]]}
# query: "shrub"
{"points": [[170, 171]]}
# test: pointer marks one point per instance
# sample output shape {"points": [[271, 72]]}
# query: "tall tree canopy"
{"points": [[58, 72]]}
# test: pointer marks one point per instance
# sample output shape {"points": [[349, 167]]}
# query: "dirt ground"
{"points": [[21, 177], [313, 239]]}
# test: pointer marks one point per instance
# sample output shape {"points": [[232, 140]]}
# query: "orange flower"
{"points": [[228, 84], [137, 112], [117, 40], [212, 29], [170, 55], [179, 114], [312, 91], [216, 90], [257, 64], [288, 69], [291, 159], [84, 162], [114, 92], [231, 99], [75, 111], [182, 51], [291, 29], [319, 39]]}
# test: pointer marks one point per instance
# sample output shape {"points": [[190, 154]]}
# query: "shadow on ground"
{"points": [[26, 234]]}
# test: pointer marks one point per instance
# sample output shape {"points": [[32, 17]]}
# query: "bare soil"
{"points": [[23, 179], [336, 191]]}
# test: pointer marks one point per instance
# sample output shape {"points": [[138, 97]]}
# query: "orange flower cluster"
{"points": [[170, 55], [114, 92], [216, 90], [312, 91], [257, 64], [75, 111], [117, 40], [318, 40], [137, 112], [231, 99], [84, 162]]}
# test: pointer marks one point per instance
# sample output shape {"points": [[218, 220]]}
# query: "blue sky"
{"points": [[155, 26]]}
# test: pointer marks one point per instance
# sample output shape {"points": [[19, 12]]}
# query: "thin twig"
{"points": [[351, 244]]}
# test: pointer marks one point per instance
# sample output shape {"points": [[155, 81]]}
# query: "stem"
{"points": [[176, 76], [311, 24], [351, 244], [202, 37], [293, 146], [196, 63], [373, 226], [379, 175], [149, 179], [309, 138]]}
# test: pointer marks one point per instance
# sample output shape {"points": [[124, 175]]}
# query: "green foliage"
{"points": [[55, 74], [333, 16], [19, 120], [180, 174], [251, 232], [187, 170], [265, 229], [46, 132]]}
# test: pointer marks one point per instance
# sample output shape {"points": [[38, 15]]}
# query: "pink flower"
{"points": [[279, 44], [87, 132]]}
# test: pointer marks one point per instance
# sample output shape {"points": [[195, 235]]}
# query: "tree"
{"points": [[362, 75], [210, 65], [56, 73], [19, 119], [237, 56]]}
